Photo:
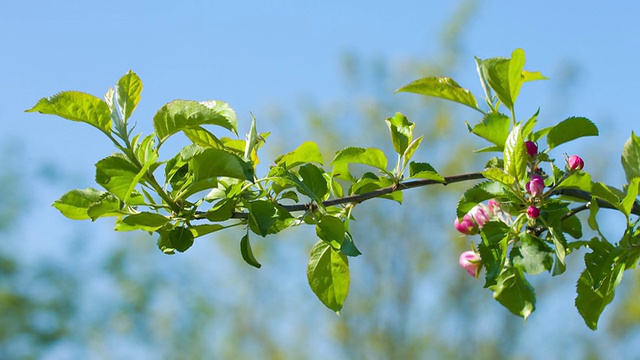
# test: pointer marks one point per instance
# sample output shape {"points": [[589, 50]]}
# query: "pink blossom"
{"points": [[481, 214], [533, 212], [575, 163], [535, 186], [532, 148], [467, 226], [494, 207], [470, 261]]}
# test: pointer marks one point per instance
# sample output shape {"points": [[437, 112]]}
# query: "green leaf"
{"points": [[495, 236], [128, 92], [578, 180], [107, 205], [142, 221], [181, 238], [75, 203], [203, 137], [631, 157], [286, 178], [213, 163], [572, 226], [328, 275], [593, 211], [420, 170], [247, 252], [349, 246], [630, 199], [516, 66], [77, 106], [401, 132], [494, 128], [222, 210], [411, 149], [118, 175], [515, 293], [480, 192], [532, 76], [204, 229], [370, 156], [331, 229], [307, 152], [570, 129], [313, 178], [262, 215], [589, 302], [180, 115], [499, 175], [496, 72], [442, 87], [533, 256], [515, 154], [605, 193]]}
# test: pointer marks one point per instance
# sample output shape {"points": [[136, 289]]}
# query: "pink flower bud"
{"points": [[481, 214], [494, 207], [535, 186], [532, 148], [533, 212], [575, 163], [471, 262], [467, 226]]}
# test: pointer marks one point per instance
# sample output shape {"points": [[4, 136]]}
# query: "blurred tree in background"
{"points": [[408, 297]]}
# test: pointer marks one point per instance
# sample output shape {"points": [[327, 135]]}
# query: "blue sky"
{"points": [[254, 54]]}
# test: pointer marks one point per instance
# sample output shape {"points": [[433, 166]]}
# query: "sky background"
{"points": [[255, 54]]}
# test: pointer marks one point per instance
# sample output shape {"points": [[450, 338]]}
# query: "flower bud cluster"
{"points": [[475, 219]]}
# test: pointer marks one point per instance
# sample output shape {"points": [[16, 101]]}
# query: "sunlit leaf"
{"points": [[77, 106], [75, 203], [128, 93], [631, 157], [180, 115], [331, 229], [442, 87], [494, 128], [313, 178], [570, 129], [401, 132], [370, 156], [328, 275], [515, 154], [420, 170], [142, 221], [212, 163], [307, 152]]}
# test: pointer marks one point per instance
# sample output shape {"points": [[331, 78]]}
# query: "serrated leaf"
{"points": [[516, 67], [515, 154], [128, 92], [179, 115], [515, 293], [328, 275], [77, 106], [411, 149], [107, 205], [307, 152], [420, 170], [356, 155], [118, 175], [442, 87], [331, 230], [142, 221], [577, 180], [213, 163], [589, 302], [203, 137], [401, 132], [349, 246], [631, 157], [262, 215], [204, 229], [499, 175], [494, 128], [533, 256], [570, 129], [75, 203], [247, 252], [313, 178], [496, 72]]}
